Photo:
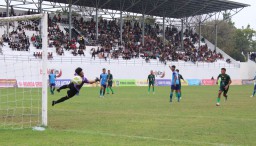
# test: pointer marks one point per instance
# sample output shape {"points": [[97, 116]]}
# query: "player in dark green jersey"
{"points": [[151, 81], [110, 82], [224, 85], [180, 78]]}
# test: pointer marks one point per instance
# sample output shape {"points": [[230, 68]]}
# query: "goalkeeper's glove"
{"points": [[97, 80]]}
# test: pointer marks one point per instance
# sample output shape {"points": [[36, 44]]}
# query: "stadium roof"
{"points": [[162, 8]]}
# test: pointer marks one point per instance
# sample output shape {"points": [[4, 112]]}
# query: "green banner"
{"points": [[123, 82]]}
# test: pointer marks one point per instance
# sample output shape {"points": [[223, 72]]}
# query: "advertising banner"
{"points": [[247, 82], [123, 82], [8, 83], [194, 82], [29, 84], [141, 83], [208, 82], [61, 82], [184, 83], [163, 82], [236, 82]]}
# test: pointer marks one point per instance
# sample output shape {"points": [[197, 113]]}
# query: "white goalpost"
{"points": [[23, 80]]}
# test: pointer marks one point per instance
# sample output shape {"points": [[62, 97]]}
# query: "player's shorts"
{"points": [[222, 88], [72, 90], [151, 84], [177, 87], [52, 84], [103, 85], [110, 84]]}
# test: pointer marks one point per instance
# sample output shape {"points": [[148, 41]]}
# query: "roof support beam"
{"points": [[70, 19], [156, 6]]}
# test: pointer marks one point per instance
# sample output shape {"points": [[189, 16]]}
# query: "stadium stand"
{"points": [[108, 45]]}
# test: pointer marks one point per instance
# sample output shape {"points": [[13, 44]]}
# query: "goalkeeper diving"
{"points": [[73, 88]]}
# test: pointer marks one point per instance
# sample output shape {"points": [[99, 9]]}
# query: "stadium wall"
{"points": [[26, 75]]}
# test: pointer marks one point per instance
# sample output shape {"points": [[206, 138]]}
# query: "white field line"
{"points": [[147, 138], [145, 114]]}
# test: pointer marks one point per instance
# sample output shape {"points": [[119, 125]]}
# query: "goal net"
{"points": [[23, 77]]}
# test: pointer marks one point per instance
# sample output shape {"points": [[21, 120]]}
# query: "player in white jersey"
{"points": [[254, 90]]}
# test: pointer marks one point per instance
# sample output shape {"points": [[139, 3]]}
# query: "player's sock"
{"points": [[178, 97], [253, 92], [148, 89], [107, 90], [61, 100], [104, 90], [112, 90], [53, 103], [53, 89], [100, 92], [218, 99], [171, 97], [153, 89]]}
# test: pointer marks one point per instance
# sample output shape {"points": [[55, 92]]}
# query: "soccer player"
{"points": [[110, 82], [151, 81], [224, 85], [175, 83], [52, 78], [103, 82], [73, 88], [254, 91], [180, 78]]}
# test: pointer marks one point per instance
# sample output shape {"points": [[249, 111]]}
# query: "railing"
{"points": [[120, 61]]}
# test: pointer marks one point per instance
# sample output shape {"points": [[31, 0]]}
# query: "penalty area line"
{"points": [[145, 114], [147, 138]]}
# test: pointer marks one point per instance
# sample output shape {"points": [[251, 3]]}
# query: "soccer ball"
{"points": [[77, 80]]}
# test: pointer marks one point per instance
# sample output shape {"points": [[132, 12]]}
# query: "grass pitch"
{"points": [[133, 117]]}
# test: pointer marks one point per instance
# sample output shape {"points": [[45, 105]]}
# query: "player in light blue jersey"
{"points": [[103, 82], [254, 90], [175, 83], [52, 78]]}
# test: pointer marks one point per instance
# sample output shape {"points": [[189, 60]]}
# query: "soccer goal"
{"points": [[23, 78]]}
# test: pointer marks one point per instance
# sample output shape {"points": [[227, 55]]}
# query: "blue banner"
{"points": [[194, 82], [61, 82], [163, 82]]}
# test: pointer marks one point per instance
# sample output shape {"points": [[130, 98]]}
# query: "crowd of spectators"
{"points": [[109, 44], [60, 39], [39, 55], [17, 40]]}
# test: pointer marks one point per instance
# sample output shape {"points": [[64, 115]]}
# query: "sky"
{"points": [[247, 15]]}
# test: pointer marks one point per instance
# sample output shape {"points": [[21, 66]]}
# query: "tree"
{"points": [[235, 42], [227, 18], [224, 36], [243, 40]]}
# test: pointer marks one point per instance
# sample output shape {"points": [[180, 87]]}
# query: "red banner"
{"points": [[8, 83], [236, 82], [29, 84], [208, 82]]}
